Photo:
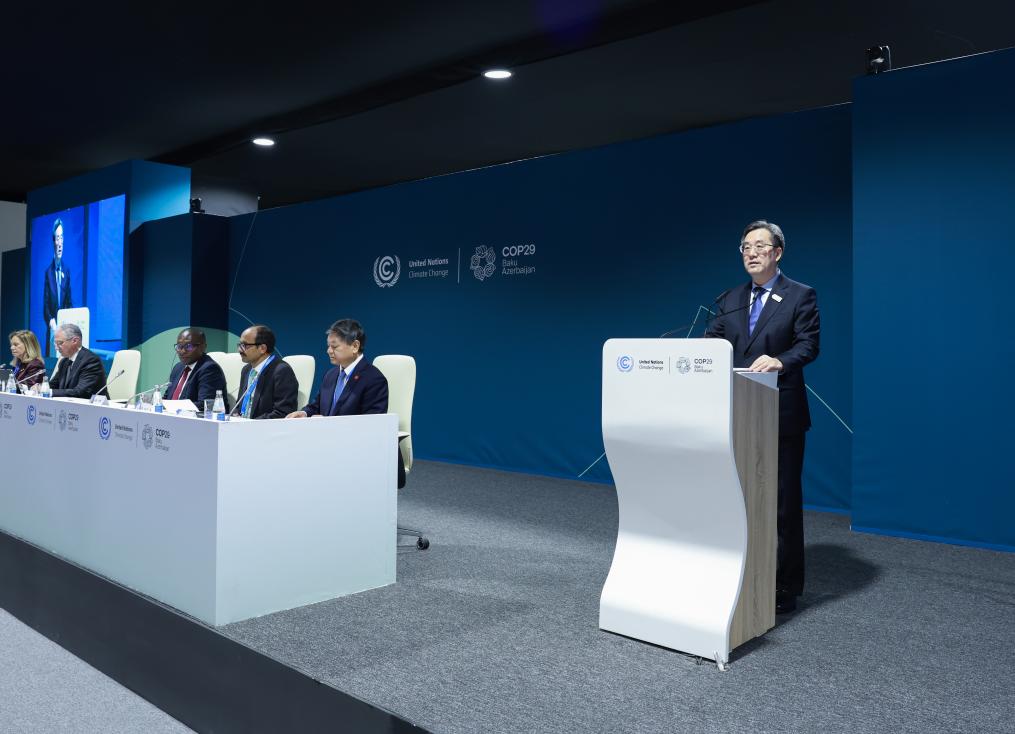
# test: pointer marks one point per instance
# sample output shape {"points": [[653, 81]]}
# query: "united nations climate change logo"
{"points": [[30, 415], [624, 363], [147, 436], [387, 268], [105, 428], [484, 262], [62, 420], [683, 365]]}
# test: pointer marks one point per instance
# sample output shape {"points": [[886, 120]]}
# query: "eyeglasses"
{"points": [[185, 347], [244, 346], [750, 249], [61, 342]]}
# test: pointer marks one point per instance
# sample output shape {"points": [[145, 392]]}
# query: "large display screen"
{"points": [[77, 262]]}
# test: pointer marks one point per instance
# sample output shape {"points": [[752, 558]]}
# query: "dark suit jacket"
{"points": [[787, 330], [49, 301], [31, 373], [80, 379], [276, 392], [365, 393], [205, 378]]}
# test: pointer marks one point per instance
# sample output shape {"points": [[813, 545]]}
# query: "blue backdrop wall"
{"points": [[934, 191], [504, 282]]}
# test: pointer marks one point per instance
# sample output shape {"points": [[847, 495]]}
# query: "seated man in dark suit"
{"points": [[197, 376], [273, 389], [79, 372], [353, 386]]}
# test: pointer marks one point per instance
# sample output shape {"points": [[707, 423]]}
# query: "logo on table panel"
{"points": [[62, 420], [625, 363], [105, 428], [147, 436], [30, 415], [7, 411], [683, 365], [387, 268], [483, 263]]}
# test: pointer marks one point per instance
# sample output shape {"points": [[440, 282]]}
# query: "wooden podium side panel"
{"points": [[756, 452]]}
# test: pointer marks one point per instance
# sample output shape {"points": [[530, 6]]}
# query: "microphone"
{"points": [[31, 376], [109, 382], [161, 387], [690, 326], [722, 296], [239, 400]]}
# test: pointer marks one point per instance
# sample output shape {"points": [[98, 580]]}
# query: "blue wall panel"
{"points": [[629, 240], [934, 191]]}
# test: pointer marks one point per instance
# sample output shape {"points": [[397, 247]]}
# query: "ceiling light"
{"points": [[266, 142], [497, 74]]}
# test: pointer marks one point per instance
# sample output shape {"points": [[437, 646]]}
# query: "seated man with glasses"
{"points": [[197, 376], [268, 386], [79, 372]]}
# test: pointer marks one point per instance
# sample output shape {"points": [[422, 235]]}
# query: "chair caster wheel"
{"points": [[422, 543]]}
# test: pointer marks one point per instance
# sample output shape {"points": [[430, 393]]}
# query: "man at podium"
{"points": [[197, 377], [773, 324]]}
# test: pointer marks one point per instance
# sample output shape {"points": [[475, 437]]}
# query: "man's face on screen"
{"points": [[58, 242]]}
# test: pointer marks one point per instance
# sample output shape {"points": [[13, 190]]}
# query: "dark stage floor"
{"points": [[494, 629]]}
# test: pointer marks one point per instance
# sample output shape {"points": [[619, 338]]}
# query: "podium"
{"points": [[693, 447]]}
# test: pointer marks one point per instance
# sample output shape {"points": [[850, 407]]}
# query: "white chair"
{"points": [[304, 366], [121, 388], [400, 372], [232, 365]]}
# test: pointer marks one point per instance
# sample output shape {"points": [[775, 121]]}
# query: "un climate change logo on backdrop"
{"points": [[683, 365], [387, 268], [484, 262], [147, 436], [105, 428], [62, 420], [30, 415], [625, 363]]}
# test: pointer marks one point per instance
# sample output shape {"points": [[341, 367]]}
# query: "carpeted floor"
{"points": [[45, 689], [494, 629]]}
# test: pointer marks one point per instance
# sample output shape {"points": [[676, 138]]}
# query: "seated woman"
{"points": [[29, 369]]}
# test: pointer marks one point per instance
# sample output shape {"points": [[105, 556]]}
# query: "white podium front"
{"points": [[223, 521], [693, 450]]}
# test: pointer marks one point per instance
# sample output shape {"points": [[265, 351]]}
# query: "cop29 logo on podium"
{"points": [[387, 268], [30, 415], [683, 365], [105, 428], [625, 363]]}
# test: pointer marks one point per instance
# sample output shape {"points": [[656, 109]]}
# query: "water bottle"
{"points": [[219, 408], [12, 385], [45, 390], [157, 401]]}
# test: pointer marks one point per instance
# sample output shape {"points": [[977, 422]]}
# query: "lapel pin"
{"points": [[777, 297]]}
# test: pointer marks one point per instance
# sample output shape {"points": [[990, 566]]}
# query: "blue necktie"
{"points": [[245, 407], [339, 387], [755, 309]]}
